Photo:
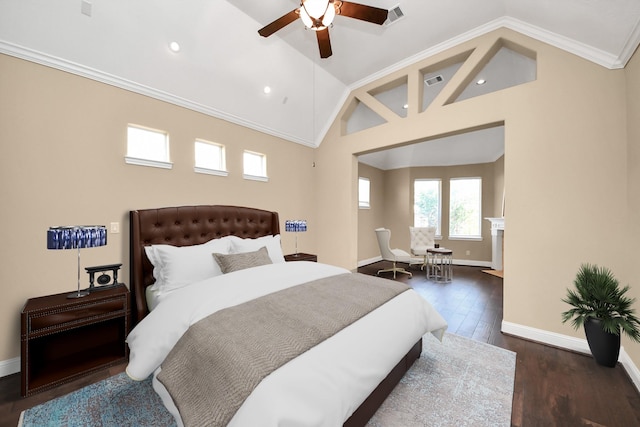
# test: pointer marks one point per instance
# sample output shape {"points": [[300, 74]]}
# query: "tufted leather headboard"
{"points": [[185, 226]]}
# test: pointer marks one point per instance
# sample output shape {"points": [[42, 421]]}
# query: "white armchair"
{"points": [[422, 238], [393, 255]]}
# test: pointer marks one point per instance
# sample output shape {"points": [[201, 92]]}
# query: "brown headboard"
{"points": [[185, 226]]}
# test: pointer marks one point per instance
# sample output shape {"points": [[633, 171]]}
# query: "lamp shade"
{"points": [[76, 237], [295, 225]]}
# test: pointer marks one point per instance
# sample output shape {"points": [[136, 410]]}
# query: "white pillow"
{"points": [[272, 243], [178, 266]]}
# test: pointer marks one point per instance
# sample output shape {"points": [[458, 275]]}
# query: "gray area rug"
{"points": [[458, 382]]}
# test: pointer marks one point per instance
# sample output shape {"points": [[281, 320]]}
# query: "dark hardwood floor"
{"points": [[552, 387]]}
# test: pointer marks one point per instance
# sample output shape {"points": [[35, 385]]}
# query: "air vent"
{"points": [[394, 15], [433, 80]]}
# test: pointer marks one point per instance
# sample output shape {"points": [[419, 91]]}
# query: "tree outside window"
{"points": [[465, 207], [426, 203]]}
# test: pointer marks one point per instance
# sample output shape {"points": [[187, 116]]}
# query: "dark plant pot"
{"points": [[604, 346]]}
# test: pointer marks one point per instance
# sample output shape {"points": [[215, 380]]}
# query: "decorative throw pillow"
{"points": [[272, 243], [235, 262]]}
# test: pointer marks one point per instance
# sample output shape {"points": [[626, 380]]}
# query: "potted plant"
{"points": [[600, 305]]}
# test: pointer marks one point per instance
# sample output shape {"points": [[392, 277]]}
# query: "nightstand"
{"points": [[63, 339], [301, 257]]}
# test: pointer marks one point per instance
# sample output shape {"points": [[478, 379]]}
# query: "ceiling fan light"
{"points": [[306, 20], [329, 15], [317, 14], [315, 8]]}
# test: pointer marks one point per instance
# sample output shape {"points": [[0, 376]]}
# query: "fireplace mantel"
{"points": [[497, 234]]}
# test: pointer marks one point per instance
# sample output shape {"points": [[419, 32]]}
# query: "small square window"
{"points": [[255, 166], [147, 147], [210, 158]]}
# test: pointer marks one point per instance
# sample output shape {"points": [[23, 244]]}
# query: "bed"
{"points": [[192, 227]]}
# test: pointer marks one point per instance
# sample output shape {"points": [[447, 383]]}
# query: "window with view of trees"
{"points": [[426, 203], [465, 208]]}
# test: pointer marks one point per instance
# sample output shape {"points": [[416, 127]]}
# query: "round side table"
{"points": [[439, 264]]}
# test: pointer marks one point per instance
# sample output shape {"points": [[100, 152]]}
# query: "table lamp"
{"points": [[77, 237], [295, 226]]}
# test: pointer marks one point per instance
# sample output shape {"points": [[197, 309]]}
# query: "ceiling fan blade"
{"points": [[363, 12], [324, 44], [279, 23]]}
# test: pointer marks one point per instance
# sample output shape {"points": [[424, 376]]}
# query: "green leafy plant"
{"points": [[598, 295]]}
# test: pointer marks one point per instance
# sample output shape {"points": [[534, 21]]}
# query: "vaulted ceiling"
{"points": [[223, 64]]}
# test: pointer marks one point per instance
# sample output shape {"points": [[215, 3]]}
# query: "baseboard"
{"points": [[569, 343], [8, 367], [369, 261], [469, 262]]}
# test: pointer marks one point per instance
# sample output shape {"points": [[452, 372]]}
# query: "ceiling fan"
{"points": [[317, 15]]}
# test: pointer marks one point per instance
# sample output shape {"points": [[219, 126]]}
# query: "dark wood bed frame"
{"points": [[193, 225]]}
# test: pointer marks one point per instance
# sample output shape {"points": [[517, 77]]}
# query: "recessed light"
{"points": [[481, 82], [266, 89], [174, 46], [405, 106]]}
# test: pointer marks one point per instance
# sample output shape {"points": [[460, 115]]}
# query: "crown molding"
{"points": [[97, 75], [630, 46], [582, 50]]}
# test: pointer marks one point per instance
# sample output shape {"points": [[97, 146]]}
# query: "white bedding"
{"points": [[323, 386]]}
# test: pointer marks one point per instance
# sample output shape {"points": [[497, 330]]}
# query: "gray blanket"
{"points": [[220, 360]]}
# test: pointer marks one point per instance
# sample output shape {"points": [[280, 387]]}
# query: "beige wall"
{"points": [[372, 218], [568, 169], [498, 187], [571, 175], [63, 141], [396, 209], [631, 224]]}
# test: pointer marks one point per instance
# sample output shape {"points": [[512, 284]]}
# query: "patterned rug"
{"points": [[458, 382]]}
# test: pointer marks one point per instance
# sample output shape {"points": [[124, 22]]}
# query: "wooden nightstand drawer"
{"points": [[76, 315]]}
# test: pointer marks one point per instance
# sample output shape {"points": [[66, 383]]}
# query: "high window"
{"points": [[147, 147], [364, 193], [255, 166], [465, 208], [427, 202], [210, 158]]}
